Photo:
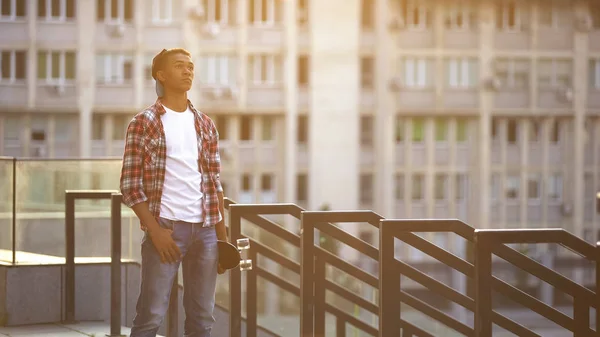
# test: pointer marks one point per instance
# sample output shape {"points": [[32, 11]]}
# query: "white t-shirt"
{"points": [[182, 191]]}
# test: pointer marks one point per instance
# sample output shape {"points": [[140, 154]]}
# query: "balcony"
{"points": [[266, 35], [265, 97], [115, 35], [14, 94], [512, 40], [56, 96], [461, 39], [114, 96], [215, 34], [512, 99], [218, 97], [554, 98], [57, 35], [415, 39], [461, 99], [412, 99], [555, 39], [14, 33]]}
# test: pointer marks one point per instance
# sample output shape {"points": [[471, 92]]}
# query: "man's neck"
{"points": [[176, 102]]}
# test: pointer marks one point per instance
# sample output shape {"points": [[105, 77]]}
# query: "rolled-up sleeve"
{"points": [[132, 171], [214, 158]]}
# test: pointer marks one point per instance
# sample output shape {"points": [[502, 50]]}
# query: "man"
{"points": [[170, 178]]}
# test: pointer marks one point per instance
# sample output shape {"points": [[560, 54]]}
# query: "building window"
{"points": [[367, 72], [97, 127], [416, 13], [222, 123], [416, 72], [461, 186], [441, 187], [115, 10], [554, 73], [418, 130], [366, 188], [268, 128], [512, 131], [120, 123], [246, 183], [595, 74], [399, 186], [302, 12], [513, 183], [12, 129], [56, 10], [555, 127], [302, 187], [418, 187], [554, 14], [220, 11], [555, 187], [460, 15], [12, 9], [441, 130], [114, 68], [366, 131], [13, 65], [513, 74], [264, 69], [303, 70], [399, 134], [246, 128], [533, 187], [367, 14], [462, 73], [218, 70], [162, 11], [302, 129], [63, 128], [462, 129], [264, 12], [510, 15], [56, 66], [266, 183]]}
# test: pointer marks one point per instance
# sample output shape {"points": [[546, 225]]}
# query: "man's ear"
{"points": [[160, 75]]}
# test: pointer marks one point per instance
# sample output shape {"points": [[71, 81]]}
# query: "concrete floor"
{"points": [[90, 329]]}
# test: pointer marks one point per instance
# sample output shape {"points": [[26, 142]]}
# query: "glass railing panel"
{"points": [[6, 204]]}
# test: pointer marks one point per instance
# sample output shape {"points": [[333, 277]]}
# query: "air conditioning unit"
{"points": [[583, 23], [212, 29], [493, 83], [197, 12], [395, 84], [397, 23], [116, 30]]}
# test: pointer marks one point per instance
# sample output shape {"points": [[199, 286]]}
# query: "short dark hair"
{"points": [[158, 62]]}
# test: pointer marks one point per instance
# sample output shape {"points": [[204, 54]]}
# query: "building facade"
{"points": [[486, 111]]}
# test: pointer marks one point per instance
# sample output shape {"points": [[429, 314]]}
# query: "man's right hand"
{"points": [[165, 245]]}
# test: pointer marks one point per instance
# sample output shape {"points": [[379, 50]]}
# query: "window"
{"points": [[441, 130], [366, 131], [461, 186], [367, 13], [56, 10], [264, 69], [246, 183], [416, 13], [399, 134], [418, 130], [115, 10], [441, 187], [162, 11], [221, 11], [12, 9], [367, 72], [510, 15], [268, 128], [366, 188], [246, 128], [399, 186], [12, 128], [495, 188], [303, 70], [120, 123], [555, 131], [418, 187], [264, 12], [554, 73], [534, 131], [56, 66], [302, 129], [218, 70], [513, 74], [114, 68], [461, 73], [416, 73], [512, 187], [13, 65], [460, 15], [595, 74], [533, 187], [512, 131], [266, 183], [97, 127], [302, 187], [222, 123], [555, 187], [302, 12], [63, 128], [554, 14], [462, 127]]}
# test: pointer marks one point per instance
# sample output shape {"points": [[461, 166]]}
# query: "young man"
{"points": [[170, 178]]}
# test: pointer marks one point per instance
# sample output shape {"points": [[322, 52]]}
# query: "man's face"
{"points": [[177, 73]]}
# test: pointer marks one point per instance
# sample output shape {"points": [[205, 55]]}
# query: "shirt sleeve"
{"points": [[214, 158], [132, 171]]}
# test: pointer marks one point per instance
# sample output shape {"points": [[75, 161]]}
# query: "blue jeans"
{"points": [[200, 259]]}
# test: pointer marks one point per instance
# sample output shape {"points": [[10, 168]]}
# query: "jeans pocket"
{"points": [[165, 223]]}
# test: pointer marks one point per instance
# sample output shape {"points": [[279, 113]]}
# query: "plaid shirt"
{"points": [[143, 171]]}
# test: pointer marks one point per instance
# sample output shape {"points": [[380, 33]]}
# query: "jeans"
{"points": [[200, 259]]}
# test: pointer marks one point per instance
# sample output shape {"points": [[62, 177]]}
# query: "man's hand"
{"points": [[165, 245]]}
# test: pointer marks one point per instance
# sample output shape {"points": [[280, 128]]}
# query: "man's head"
{"points": [[173, 70]]}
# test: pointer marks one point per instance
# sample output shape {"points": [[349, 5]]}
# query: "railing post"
{"points": [[483, 285], [581, 318], [70, 258], [115, 265], [307, 243], [235, 277], [14, 211], [251, 298], [320, 277], [389, 283]]}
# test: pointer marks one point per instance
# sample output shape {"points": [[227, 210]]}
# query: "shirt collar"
{"points": [[159, 108]]}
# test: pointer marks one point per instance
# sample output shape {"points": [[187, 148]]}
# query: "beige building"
{"points": [[488, 111]]}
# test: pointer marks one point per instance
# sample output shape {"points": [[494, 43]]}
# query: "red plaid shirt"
{"points": [[143, 171]]}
